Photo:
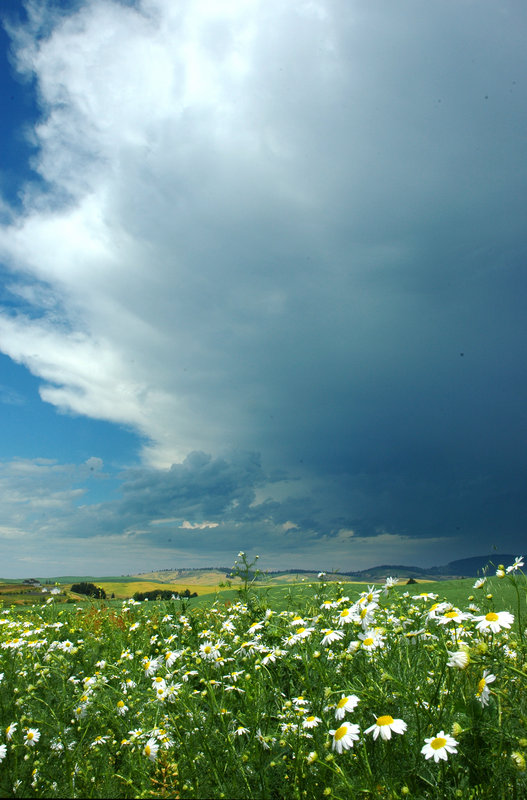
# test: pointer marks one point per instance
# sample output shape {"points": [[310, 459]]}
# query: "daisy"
{"points": [[366, 616], [241, 731], [347, 702], [171, 657], [371, 639], [331, 636], [389, 583], [344, 737], [311, 722], [121, 708], [346, 616], [480, 583], [262, 739], [32, 736], [3, 751], [458, 658], [439, 746], [483, 691], [300, 701], [301, 633], [10, 730], [98, 740], [384, 726], [297, 621], [436, 609], [494, 621], [150, 749], [454, 615], [518, 562], [255, 627], [370, 597], [150, 665]]}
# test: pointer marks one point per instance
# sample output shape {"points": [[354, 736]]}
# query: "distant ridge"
{"points": [[461, 568]]}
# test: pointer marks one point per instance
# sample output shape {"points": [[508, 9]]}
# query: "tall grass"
{"points": [[344, 696]]}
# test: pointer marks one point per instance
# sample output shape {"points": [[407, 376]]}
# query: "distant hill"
{"points": [[461, 568], [470, 567]]}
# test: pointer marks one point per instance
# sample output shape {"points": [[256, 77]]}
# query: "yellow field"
{"points": [[125, 590], [188, 577]]}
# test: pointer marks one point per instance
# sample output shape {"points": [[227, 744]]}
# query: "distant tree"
{"points": [[410, 581], [163, 594], [89, 589]]}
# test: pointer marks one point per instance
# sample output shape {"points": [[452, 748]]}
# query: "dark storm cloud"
{"points": [[299, 234]]}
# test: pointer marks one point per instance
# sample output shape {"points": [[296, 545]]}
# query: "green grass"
{"points": [[238, 695]]}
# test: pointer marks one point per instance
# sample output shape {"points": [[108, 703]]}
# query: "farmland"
{"points": [[306, 690]]}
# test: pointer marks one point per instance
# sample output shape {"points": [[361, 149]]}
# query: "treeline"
{"points": [[164, 594], [89, 589]]}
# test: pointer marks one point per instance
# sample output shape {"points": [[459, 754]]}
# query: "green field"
{"points": [[305, 690]]}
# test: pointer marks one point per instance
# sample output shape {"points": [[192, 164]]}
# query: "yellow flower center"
{"points": [[438, 743], [368, 642], [491, 617], [340, 732], [451, 614], [385, 720], [363, 612], [310, 719], [342, 702], [148, 749], [300, 630], [120, 704], [481, 685]]}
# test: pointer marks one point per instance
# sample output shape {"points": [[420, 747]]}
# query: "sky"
{"points": [[262, 283]]}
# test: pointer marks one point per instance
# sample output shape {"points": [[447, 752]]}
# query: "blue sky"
{"points": [[263, 280]]}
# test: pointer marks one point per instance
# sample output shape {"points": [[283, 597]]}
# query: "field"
{"points": [[287, 691]]}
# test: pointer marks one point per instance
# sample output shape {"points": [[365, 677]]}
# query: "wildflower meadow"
{"points": [[386, 693]]}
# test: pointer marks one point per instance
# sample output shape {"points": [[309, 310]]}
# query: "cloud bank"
{"points": [[291, 230]]}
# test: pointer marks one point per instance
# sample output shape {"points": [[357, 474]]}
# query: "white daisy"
{"points": [[344, 737], [32, 736], [331, 636], [438, 747], [494, 621], [518, 562], [458, 658], [384, 726], [311, 722], [10, 730], [348, 702], [483, 691], [150, 749]]}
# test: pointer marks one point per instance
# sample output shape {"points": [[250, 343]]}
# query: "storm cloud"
{"points": [[285, 244]]}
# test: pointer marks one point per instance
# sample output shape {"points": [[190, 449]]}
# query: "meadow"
{"points": [[303, 691]]}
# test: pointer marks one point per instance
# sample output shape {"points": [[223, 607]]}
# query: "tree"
{"points": [[89, 589]]}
